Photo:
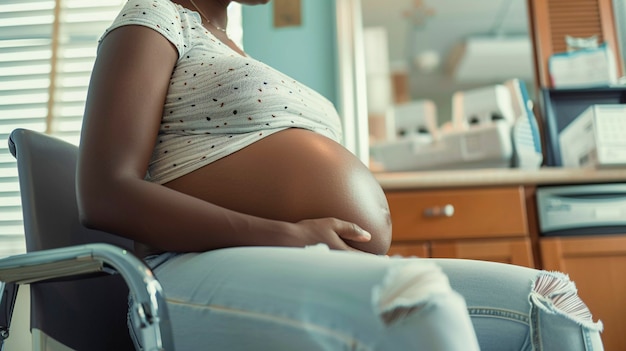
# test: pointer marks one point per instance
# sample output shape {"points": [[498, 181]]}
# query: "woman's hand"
{"points": [[330, 231]]}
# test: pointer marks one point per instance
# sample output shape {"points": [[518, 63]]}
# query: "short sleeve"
{"points": [[159, 15]]}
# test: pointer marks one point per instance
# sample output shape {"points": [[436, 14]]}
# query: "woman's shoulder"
{"points": [[163, 16], [142, 8]]}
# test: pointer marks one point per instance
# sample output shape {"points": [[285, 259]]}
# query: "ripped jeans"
{"points": [[275, 299]]}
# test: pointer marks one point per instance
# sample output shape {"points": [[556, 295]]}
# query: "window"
{"points": [[47, 50]]}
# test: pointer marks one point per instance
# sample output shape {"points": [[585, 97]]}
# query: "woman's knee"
{"points": [[559, 319], [519, 308]]}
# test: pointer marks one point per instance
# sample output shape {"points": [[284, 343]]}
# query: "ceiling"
{"points": [[450, 23]]}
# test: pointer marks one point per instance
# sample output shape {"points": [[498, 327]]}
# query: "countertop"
{"points": [[496, 177]]}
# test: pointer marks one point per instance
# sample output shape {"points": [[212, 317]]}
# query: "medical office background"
{"points": [[47, 48]]}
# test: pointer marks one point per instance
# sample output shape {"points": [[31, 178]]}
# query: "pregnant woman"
{"points": [[231, 179]]}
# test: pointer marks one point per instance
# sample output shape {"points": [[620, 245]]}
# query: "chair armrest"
{"points": [[73, 261]]}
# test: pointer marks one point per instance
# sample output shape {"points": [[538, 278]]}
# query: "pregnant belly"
{"points": [[294, 175]]}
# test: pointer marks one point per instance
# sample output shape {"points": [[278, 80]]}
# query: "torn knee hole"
{"points": [[407, 289], [555, 293]]}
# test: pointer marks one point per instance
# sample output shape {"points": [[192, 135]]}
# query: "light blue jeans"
{"points": [[275, 299]]}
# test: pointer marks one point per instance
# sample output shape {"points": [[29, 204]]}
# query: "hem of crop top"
{"points": [[201, 161]]}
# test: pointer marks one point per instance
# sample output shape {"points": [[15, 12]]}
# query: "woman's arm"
{"points": [[123, 112]]}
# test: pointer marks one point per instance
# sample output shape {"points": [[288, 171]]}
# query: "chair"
{"points": [[80, 278]]}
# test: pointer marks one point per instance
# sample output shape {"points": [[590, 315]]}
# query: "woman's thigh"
{"points": [[274, 298], [311, 299]]}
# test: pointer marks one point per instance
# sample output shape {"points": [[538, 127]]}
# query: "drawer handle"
{"points": [[439, 211]]}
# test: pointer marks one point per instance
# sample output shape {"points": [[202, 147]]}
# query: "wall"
{"points": [[20, 337], [307, 53]]}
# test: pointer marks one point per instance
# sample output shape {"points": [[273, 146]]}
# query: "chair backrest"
{"points": [[83, 314]]}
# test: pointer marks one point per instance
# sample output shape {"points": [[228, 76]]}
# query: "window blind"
{"points": [[47, 49], [620, 22], [553, 19], [577, 18]]}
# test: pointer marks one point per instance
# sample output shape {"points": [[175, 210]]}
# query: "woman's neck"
{"points": [[214, 11]]}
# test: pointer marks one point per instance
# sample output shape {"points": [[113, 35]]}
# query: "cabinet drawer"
{"points": [[516, 251], [458, 214]]}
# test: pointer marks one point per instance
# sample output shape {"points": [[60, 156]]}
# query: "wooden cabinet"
{"points": [[492, 215], [597, 264], [512, 251], [482, 223]]}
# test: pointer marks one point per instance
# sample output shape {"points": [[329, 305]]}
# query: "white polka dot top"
{"points": [[218, 101]]}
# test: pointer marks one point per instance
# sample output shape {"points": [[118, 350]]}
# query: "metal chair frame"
{"points": [[44, 264]]}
